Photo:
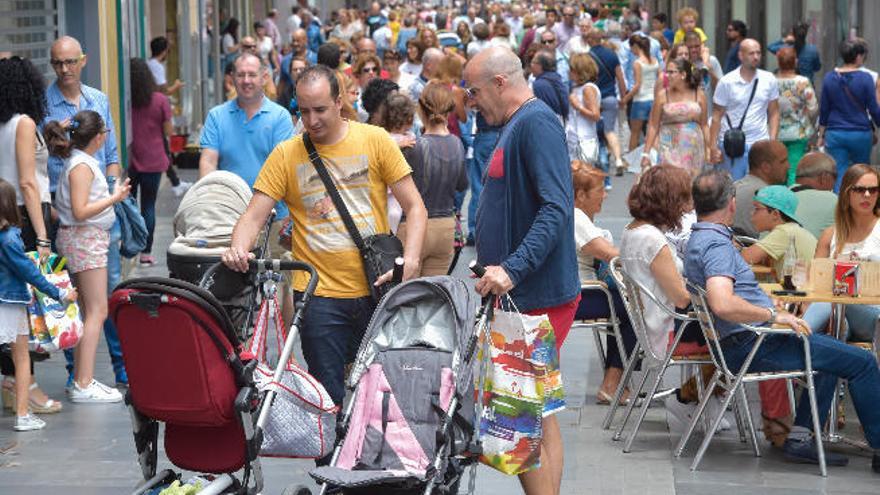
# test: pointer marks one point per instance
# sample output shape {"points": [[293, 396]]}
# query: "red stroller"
{"points": [[182, 356]]}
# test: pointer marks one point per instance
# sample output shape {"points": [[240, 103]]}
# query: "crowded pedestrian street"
{"points": [[446, 247]]}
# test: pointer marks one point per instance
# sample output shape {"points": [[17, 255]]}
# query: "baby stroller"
{"points": [[409, 427], [185, 370], [203, 227]]}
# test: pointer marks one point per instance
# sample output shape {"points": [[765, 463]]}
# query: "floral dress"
{"points": [[681, 138], [798, 107]]}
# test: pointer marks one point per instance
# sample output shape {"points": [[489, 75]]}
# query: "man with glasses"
{"points": [[814, 188], [549, 43], [525, 218], [249, 45], [66, 96], [566, 29]]}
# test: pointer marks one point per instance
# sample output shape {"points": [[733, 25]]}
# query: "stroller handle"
{"points": [[287, 265]]}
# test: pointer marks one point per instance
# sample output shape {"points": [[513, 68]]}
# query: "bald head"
{"points": [[750, 54], [66, 44], [497, 60], [67, 61]]}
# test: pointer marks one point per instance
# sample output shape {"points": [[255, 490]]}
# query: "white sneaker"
{"points": [[182, 188], [678, 414], [95, 392], [28, 423]]}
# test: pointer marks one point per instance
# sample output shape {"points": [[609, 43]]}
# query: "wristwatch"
{"points": [[773, 314]]}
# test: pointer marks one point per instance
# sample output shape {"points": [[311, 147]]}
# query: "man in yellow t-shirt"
{"points": [[364, 162]]}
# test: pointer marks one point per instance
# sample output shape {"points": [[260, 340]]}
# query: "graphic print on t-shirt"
{"points": [[496, 164], [324, 229]]}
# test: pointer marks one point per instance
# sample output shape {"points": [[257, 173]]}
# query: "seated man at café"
{"points": [[814, 187], [775, 211], [734, 297], [768, 165]]}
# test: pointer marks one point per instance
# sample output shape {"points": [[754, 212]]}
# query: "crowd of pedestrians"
{"points": [[527, 107]]}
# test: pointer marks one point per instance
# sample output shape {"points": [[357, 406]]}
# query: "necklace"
{"points": [[531, 99]]}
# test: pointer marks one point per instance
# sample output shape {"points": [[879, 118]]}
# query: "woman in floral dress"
{"points": [[678, 127], [798, 108]]}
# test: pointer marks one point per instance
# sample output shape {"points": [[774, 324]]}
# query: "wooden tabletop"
{"points": [[826, 298], [762, 270]]}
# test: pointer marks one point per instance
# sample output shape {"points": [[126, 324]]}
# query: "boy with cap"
{"points": [[775, 211]]}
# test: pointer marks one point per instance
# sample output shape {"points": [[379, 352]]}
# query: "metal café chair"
{"points": [[634, 296], [734, 382]]}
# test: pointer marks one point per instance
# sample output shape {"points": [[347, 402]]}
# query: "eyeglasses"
{"points": [[70, 62], [471, 92], [249, 47], [863, 190], [548, 42], [367, 70]]}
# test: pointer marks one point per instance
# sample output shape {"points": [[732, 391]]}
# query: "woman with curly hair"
{"points": [[24, 164], [151, 124]]}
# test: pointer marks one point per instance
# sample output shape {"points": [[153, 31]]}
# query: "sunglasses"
{"points": [[548, 42], [70, 61], [249, 47], [367, 70], [862, 190]]}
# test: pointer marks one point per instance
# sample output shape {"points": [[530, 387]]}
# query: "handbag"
{"points": [[518, 386], [734, 140], [55, 325], [378, 251], [132, 227], [302, 418]]}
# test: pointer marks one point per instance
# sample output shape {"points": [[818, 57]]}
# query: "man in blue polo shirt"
{"points": [[66, 96], [732, 292]]}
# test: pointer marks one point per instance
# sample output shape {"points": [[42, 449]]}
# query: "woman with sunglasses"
{"points": [[855, 234], [366, 68]]}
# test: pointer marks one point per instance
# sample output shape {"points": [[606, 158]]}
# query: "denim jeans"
{"points": [[114, 276], [832, 358], [331, 334], [847, 147], [861, 319], [484, 143], [148, 184], [738, 167], [593, 305]]}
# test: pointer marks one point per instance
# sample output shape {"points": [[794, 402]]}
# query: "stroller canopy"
{"points": [[435, 312], [208, 212]]}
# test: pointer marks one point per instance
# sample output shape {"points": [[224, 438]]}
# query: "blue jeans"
{"points": [[847, 147], [331, 334], [484, 143], [737, 167], [593, 305], [832, 358], [148, 183], [861, 319], [114, 276]]}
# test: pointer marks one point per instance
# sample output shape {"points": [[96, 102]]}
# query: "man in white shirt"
{"points": [[159, 52], [579, 44], [730, 104], [514, 20], [293, 22]]}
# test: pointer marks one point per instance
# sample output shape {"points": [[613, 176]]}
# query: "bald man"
{"points": [[525, 218], [66, 96], [731, 103], [299, 44]]}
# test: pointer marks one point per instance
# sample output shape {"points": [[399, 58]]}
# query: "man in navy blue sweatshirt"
{"points": [[525, 217], [548, 85]]}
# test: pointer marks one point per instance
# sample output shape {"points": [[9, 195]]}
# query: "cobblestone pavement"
{"points": [[88, 449]]}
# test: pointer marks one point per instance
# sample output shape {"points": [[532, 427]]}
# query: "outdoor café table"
{"points": [[837, 311]]}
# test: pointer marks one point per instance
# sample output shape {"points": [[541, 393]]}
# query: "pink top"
{"points": [[147, 147]]}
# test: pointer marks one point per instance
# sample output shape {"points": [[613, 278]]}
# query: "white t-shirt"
{"points": [[638, 248], [158, 70], [97, 190], [585, 231], [576, 45], [9, 160], [733, 92], [228, 42], [867, 249], [411, 68]]}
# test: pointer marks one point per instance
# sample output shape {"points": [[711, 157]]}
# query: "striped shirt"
{"points": [[58, 108]]}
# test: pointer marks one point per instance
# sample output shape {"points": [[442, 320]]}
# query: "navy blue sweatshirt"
{"points": [[841, 112]]}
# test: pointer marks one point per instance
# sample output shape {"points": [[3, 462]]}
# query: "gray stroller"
{"points": [[409, 426]]}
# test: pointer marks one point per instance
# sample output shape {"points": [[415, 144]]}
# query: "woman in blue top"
{"points": [[807, 54], [16, 271], [848, 111]]}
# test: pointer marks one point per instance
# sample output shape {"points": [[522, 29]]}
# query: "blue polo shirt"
{"points": [[711, 253], [243, 145], [58, 108]]}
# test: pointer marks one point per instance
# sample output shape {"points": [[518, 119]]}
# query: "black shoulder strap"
{"points": [[746, 111], [601, 64], [315, 158], [852, 97]]}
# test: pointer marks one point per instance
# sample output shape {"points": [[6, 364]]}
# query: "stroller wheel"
{"points": [[296, 490]]}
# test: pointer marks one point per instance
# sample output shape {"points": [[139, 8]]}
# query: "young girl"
{"points": [[16, 270], [85, 211], [645, 69]]}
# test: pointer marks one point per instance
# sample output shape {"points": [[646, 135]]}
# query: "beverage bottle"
{"points": [[789, 264]]}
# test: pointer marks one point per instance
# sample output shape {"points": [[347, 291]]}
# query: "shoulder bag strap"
{"points": [[315, 158], [601, 64], [852, 97], [751, 96]]}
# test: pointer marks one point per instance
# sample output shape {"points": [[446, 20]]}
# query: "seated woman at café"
{"points": [[595, 244], [774, 211], [658, 202], [855, 234]]}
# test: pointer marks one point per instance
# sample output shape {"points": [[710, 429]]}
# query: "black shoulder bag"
{"points": [[378, 251], [734, 137]]}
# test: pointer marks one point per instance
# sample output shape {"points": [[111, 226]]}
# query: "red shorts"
{"points": [[561, 317]]}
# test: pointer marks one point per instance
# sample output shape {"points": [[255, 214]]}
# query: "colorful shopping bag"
{"points": [[521, 384], [55, 325]]}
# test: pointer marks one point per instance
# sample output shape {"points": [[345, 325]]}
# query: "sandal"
{"points": [[603, 398], [775, 430], [51, 406]]}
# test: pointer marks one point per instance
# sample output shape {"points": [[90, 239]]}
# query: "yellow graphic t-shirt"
{"points": [[362, 166]]}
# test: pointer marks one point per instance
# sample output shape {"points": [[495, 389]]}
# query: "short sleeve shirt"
{"points": [[745, 193], [362, 166], [158, 71], [585, 231], [711, 253], [733, 92], [775, 244], [815, 209]]}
